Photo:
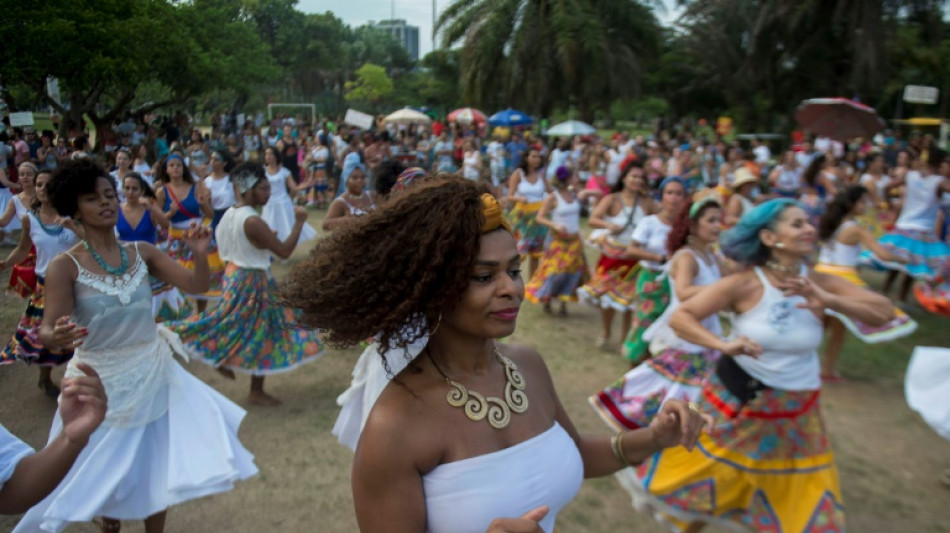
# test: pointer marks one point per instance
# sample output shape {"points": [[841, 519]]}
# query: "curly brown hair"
{"points": [[391, 273]]}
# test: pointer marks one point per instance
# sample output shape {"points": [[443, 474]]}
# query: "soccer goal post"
{"points": [[311, 107]]}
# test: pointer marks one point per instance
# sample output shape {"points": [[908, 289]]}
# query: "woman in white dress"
{"points": [[278, 212], [167, 437], [218, 183], [471, 161], [423, 462]]}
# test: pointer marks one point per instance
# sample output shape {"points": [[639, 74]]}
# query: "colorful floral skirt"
{"points": [[23, 276], [926, 254], [168, 303], [25, 344], [766, 466], [179, 251], [612, 269], [247, 331], [934, 295], [528, 233], [652, 297], [632, 401], [901, 326], [562, 269]]}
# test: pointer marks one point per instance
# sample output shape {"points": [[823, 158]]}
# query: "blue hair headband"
{"points": [[673, 179], [174, 156]]}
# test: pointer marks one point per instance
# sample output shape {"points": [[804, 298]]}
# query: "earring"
{"points": [[437, 324], [780, 245]]}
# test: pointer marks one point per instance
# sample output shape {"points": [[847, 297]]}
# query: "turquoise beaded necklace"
{"points": [[115, 271]]}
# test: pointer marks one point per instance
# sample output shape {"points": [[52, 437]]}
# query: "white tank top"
{"points": [[222, 192], [49, 242], [465, 496], [626, 221], [567, 214], [233, 244], [533, 192], [789, 337], [835, 252], [661, 331]]}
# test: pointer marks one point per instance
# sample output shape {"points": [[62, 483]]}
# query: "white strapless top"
{"points": [[465, 496]]}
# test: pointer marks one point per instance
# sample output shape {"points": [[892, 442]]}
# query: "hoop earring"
{"points": [[437, 324]]}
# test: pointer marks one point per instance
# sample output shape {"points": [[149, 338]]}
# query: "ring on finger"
{"points": [[693, 406]]}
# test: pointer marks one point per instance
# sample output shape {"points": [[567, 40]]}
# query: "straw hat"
{"points": [[743, 176]]}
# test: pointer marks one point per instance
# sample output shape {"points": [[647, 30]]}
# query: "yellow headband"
{"points": [[494, 217]]}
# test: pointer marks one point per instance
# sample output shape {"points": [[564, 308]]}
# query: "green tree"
{"points": [[371, 86], [537, 54]]}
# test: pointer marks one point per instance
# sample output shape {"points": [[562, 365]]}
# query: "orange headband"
{"points": [[494, 217]]}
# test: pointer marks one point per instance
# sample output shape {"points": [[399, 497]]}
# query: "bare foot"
{"points": [[226, 372], [262, 398]]}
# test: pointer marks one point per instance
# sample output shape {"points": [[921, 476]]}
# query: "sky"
{"points": [[415, 12]]}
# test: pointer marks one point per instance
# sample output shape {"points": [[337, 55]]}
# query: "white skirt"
{"points": [[927, 387], [278, 213], [130, 473]]}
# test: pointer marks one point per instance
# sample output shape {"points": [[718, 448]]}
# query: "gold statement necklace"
{"points": [[478, 407]]}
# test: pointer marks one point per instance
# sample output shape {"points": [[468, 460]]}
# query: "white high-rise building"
{"points": [[407, 35]]}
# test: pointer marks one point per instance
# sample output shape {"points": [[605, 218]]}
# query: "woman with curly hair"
{"points": [[647, 290], [767, 463], [614, 220], [680, 368], [563, 267], [246, 331], [167, 437], [842, 238], [490, 465], [526, 191], [48, 234], [187, 203]]}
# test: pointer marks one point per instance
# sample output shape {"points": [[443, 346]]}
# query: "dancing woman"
{"points": [[49, 234], [767, 459], [563, 267], [613, 220], [467, 295], [23, 274], [842, 238], [648, 289], [680, 368], [218, 183], [246, 331], [355, 201], [167, 436], [139, 220], [278, 212], [526, 191], [187, 204]]}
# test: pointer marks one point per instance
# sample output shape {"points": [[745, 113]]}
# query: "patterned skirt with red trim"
{"points": [[25, 345], [633, 400], [23, 276], [766, 466]]}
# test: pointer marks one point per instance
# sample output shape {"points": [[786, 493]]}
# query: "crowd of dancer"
{"points": [[717, 420]]}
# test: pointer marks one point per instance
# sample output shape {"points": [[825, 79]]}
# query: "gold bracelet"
{"points": [[616, 444]]}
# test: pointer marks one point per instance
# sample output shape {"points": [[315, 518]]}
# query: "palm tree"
{"points": [[536, 54]]}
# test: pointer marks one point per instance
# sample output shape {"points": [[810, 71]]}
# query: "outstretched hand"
{"points": [[82, 404], [678, 423]]}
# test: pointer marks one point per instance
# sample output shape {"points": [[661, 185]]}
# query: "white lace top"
{"points": [[132, 354]]}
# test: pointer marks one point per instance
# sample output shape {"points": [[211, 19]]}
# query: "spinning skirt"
{"points": [[528, 233], [934, 295], [247, 331], [766, 466], [632, 401], [25, 344], [652, 297], [23, 276], [927, 255], [602, 289], [562, 269], [901, 326]]}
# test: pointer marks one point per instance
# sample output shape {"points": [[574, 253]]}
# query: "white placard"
{"points": [[21, 118], [359, 119], [921, 94]]}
